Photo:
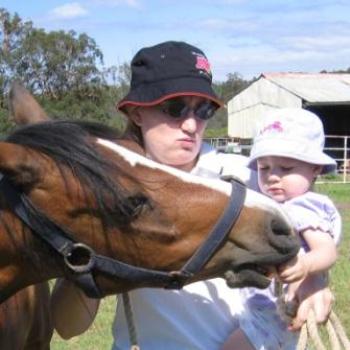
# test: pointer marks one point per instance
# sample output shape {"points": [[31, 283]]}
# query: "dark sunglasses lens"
{"points": [[176, 108], [205, 111]]}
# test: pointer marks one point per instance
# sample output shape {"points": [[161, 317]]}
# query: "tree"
{"points": [[57, 62], [232, 86], [226, 90], [12, 32], [60, 68], [48, 63]]}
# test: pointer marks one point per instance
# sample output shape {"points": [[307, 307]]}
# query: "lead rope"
{"points": [[129, 315], [309, 332]]}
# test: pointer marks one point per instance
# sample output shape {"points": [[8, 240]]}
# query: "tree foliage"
{"points": [[48, 63]]}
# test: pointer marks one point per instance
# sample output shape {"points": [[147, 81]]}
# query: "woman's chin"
{"points": [[184, 162]]}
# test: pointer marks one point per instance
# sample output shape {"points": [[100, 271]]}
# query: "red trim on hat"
{"points": [[122, 104]]}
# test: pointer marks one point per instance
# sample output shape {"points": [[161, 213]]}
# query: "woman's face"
{"points": [[168, 140]]}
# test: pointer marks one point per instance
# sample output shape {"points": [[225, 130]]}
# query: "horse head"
{"points": [[122, 205]]}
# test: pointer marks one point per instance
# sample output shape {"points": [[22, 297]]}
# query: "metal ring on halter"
{"points": [[79, 258]]}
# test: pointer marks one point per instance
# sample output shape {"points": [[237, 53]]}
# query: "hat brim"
{"points": [[147, 95], [292, 150]]}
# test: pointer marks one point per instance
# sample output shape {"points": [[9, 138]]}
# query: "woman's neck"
{"points": [[188, 167]]}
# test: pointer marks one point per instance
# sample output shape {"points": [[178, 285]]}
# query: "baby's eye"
{"points": [[286, 168], [263, 167]]}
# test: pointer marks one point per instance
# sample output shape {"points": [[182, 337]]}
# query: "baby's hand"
{"points": [[294, 270]]}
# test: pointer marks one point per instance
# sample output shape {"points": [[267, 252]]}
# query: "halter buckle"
{"points": [[79, 258]]}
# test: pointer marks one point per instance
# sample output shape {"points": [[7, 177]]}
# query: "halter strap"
{"points": [[63, 242]]}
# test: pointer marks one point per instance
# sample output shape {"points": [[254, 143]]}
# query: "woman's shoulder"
{"points": [[227, 164]]}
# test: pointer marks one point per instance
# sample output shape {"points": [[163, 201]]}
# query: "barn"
{"points": [[326, 94]]}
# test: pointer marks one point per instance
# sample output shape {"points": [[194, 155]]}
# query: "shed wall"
{"points": [[246, 108]]}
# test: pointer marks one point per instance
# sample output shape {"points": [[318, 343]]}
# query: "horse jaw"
{"points": [[25, 260]]}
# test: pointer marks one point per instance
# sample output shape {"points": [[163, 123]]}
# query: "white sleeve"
{"points": [[236, 165]]}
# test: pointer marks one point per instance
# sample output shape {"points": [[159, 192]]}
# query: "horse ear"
{"points": [[17, 163], [24, 109]]}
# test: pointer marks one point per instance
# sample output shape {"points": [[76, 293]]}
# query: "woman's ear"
{"points": [[135, 116]]}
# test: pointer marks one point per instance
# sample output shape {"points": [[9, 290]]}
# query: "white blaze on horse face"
{"points": [[253, 198]]}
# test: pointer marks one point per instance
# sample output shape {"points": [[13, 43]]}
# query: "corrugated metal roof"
{"points": [[314, 88]]}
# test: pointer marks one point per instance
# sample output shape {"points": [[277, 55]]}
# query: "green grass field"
{"points": [[340, 273], [99, 336]]}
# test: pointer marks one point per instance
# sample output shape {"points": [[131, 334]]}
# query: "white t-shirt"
{"points": [[201, 315]]}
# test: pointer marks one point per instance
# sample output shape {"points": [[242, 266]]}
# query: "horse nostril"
{"points": [[280, 228], [282, 237]]}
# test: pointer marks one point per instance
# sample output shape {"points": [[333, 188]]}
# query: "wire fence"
{"points": [[336, 146]]}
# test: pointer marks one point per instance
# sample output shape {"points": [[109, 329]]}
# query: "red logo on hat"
{"points": [[275, 126], [203, 63]]}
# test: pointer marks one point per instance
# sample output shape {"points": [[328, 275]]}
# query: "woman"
{"points": [[168, 106]]}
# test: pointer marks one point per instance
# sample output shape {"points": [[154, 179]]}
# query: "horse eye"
{"points": [[137, 203]]}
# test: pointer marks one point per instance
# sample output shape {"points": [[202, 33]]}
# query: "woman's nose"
{"points": [[189, 123]]}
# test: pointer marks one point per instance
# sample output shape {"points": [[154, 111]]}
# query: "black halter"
{"points": [[82, 262]]}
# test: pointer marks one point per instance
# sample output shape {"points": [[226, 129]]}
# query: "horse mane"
{"points": [[70, 145]]}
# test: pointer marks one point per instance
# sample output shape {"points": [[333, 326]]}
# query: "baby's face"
{"points": [[284, 178]]}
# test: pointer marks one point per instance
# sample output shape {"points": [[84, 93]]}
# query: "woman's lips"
{"points": [[187, 142]]}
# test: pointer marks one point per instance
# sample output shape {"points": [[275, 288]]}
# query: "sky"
{"points": [[248, 37]]}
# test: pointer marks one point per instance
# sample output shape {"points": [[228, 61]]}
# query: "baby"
{"points": [[288, 155]]}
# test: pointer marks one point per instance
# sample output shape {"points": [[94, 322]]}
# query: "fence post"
{"points": [[345, 159]]}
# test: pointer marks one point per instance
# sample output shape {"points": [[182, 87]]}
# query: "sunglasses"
{"points": [[177, 108]]}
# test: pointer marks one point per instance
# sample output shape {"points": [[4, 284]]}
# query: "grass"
{"points": [[340, 273], [99, 336]]}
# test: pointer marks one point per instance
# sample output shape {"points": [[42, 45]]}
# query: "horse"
{"points": [[111, 202]]}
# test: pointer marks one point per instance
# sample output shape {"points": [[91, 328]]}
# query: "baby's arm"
{"points": [[321, 256], [323, 251]]}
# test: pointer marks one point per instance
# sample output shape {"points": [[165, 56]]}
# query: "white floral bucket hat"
{"points": [[293, 133]]}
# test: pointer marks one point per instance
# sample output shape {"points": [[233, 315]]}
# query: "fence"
{"points": [[338, 147]]}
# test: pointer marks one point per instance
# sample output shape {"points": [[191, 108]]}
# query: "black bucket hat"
{"points": [[168, 70]]}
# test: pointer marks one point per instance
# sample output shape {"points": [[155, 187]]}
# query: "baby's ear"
{"points": [[318, 170]]}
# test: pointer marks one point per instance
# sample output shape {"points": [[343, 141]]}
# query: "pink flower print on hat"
{"points": [[202, 63], [275, 127]]}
